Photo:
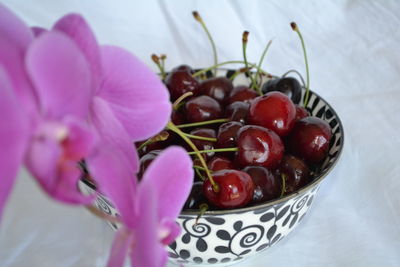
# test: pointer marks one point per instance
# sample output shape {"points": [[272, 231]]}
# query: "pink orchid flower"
{"points": [[149, 210]]}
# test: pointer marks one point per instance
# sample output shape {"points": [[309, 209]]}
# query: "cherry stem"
{"points": [[258, 74], [283, 176], [241, 70], [175, 129], [298, 74], [102, 215], [202, 209], [175, 105], [197, 170], [200, 72], [156, 60], [228, 149], [244, 46], [163, 57], [159, 137], [194, 124], [211, 139], [307, 95], [197, 16]]}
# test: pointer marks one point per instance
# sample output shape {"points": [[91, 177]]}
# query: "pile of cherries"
{"points": [[257, 147]]}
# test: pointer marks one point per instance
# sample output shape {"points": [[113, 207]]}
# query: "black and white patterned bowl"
{"points": [[225, 237]]}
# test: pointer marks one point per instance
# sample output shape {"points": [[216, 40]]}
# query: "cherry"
{"points": [[217, 88], [180, 82], [202, 144], [310, 139], [218, 163], [301, 112], [295, 171], [237, 111], [242, 93], [266, 185], [227, 133], [196, 197], [287, 85], [146, 160], [235, 189], [274, 111], [185, 68], [202, 108], [258, 146], [177, 117]]}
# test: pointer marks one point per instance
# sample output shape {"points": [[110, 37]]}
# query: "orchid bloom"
{"points": [[148, 211]]}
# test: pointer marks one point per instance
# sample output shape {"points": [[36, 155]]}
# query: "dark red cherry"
{"points": [[310, 139], [185, 68], [180, 82], [217, 88], [258, 146], [274, 111], [218, 163], [295, 171], [237, 111], [202, 108], [266, 185], [202, 144], [288, 85], [301, 112], [177, 117], [146, 160], [242, 93], [196, 197], [227, 134], [235, 189]]}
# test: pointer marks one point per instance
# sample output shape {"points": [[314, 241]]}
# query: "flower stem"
{"points": [[175, 129], [229, 149], [102, 215], [307, 95], [244, 48], [156, 60], [211, 139], [197, 16], [262, 60], [175, 105], [201, 123]]}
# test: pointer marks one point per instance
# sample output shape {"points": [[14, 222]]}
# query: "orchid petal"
{"points": [[120, 247], [15, 37], [171, 175], [147, 249], [79, 31], [111, 170], [112, 132], [135, 94], [171, 230], [37, 31], [13, 138], [60, 74]]}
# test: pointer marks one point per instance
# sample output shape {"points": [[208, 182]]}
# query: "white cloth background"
{"points": [[354, 55]]}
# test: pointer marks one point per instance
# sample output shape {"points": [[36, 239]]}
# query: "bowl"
{"points": [[225, 237]]}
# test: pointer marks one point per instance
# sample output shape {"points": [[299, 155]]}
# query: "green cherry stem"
{"points": [[197, 170], [156, 60], [202, 209], [229, 149], [197, 17], [283, 176], [176, 105], [200, 72], [201, 123], [191, 136], [254, 85], [258, 74], [175, 129], [307, 95], [159, 137]]}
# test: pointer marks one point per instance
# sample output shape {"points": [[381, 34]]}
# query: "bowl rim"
{"points": [[273, 202]]}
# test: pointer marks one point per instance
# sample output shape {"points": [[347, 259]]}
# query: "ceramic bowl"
{"points": [[225, 237]]}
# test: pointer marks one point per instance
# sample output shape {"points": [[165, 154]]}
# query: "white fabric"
{"points": [[354, 55]]}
